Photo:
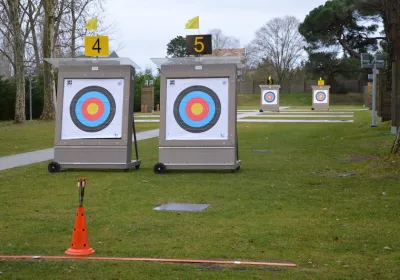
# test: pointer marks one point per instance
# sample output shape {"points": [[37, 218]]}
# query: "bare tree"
{"points": [[48, 46], [34, 11], [72, 28], [15, 29], [222, 41], [279, 43]]}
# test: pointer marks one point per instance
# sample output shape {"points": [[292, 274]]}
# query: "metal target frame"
{"points": [[272, 105], [95, 153], [187, 154], [317, 103]]}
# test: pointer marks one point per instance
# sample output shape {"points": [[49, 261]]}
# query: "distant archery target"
{"points": [[320, 96], [197, 109], [269, 96], [92, 109]]}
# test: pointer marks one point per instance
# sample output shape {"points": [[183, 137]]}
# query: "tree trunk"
{"points": [[49, 106], [73, 29], [18, 48], [32, 20]]}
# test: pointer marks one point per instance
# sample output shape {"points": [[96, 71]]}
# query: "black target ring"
{"points": [[210, 99], [105, 118]]}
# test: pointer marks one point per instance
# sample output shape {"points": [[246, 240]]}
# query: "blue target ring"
{"points": [[104, 102], [269, 96], [209, 114], [320, 96]]}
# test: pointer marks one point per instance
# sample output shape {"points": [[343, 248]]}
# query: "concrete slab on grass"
{"points": [[182, 207]]}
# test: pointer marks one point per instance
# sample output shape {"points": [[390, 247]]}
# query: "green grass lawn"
{"points": [[301, 100], [305, 202], [35, 135]]}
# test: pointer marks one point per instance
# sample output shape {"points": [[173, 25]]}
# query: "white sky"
{"points": [[145, 27]]}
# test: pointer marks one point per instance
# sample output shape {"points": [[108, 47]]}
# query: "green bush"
{"points": [[7, 99]]}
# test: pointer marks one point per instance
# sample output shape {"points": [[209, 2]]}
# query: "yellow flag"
{"points": [[91, 24], [193, 23], [321, 82]]}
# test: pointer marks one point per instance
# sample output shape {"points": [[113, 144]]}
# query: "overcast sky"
{"points": [[145, 27]]}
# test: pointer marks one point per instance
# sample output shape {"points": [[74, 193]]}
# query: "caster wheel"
{"points": [[137, 166], [53, 167], [236, 169], [159, 168], [126, 169], [312, 109], [261, 111]]}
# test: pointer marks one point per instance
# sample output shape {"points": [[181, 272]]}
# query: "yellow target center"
{"points": [[93, 108], [197, 109]]}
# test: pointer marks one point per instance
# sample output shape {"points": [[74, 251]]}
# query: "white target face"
{"points": [[197, 109], [269, 97], [320, 96], [92, 108]]}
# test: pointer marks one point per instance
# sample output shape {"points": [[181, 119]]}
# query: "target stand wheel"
{"points": [[236, 169], [261, 111], [137, 166], [53, 167], [159, 168], [312, 109]]}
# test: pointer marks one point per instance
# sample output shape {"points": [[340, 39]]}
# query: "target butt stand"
{"points": [[198, 117], [94, 114], [269, 98], [320, 96]]}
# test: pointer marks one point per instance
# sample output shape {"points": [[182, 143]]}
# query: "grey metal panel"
{"points": [[270, 107], [208, 71], [84, 154], [198, 155], [320, 105], [102, 165], [204, 166]]}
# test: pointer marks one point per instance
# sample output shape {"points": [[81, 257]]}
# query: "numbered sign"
{"points": [[198, 44], [96, 46]]}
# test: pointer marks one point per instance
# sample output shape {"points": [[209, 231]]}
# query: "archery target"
{"points": [[92, 108], [269, 97], [197, 109], [321, 96]]}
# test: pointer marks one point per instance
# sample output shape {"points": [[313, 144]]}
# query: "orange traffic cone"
{"points": [[80, 241]]}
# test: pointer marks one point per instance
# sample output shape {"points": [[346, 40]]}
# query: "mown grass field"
{"points": [[325, 197]]}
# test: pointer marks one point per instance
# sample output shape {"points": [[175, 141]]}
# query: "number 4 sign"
{"points": [[96, 46]]}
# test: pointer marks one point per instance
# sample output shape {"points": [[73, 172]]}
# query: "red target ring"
{"points": [[190, 110], [85, 109]]}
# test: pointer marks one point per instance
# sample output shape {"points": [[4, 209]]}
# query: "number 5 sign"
{"points": [[198, 44], [96, 46]]}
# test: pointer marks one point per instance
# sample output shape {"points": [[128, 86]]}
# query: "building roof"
{"points": [[241, 52]]}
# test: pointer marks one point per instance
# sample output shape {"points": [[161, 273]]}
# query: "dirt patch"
{"points": [[358, 158]]}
